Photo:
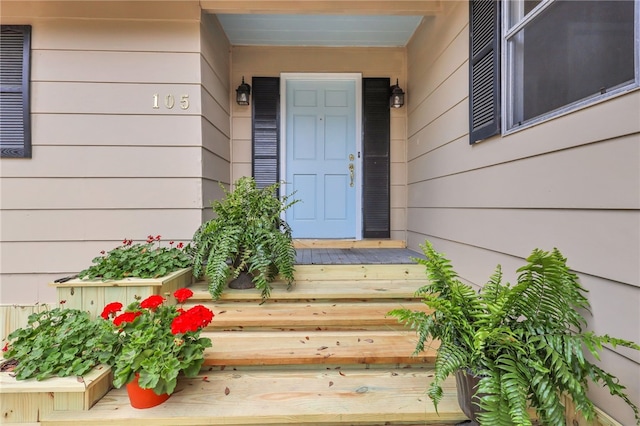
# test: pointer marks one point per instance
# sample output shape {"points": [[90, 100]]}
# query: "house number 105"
{"points": [[170, 101]]}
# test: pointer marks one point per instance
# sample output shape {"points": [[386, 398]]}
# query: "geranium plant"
{"points": [[158, 341], [141, 260], [59, 342]]}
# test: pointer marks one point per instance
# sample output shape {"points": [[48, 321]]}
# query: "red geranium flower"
{"points": [[152, 302], [126, 317], [201, 315], [6, 347], [182, 324], [191, 320], [111, 308], [182, 294], [180, 245]]}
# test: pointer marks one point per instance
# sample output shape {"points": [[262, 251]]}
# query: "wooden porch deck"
{"points": [[355, 256], [323, 353]]}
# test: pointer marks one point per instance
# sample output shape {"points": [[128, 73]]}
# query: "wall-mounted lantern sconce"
{"points": [[242, 93], [396, 100]]}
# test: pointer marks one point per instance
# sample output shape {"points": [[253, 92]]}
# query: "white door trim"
{"points": [[357, 78]]}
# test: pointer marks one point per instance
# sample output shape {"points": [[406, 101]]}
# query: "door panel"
{"points": [[320, 146]]}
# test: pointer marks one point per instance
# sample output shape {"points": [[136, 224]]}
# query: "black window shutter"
{"points": [[15, 120], [376, 157], [266, 130], [484, 69]]}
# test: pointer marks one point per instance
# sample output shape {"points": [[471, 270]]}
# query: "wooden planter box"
{"points": [[93, 295], [25, 401]]}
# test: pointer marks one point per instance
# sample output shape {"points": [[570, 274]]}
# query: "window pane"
{"points": [[571, 51], [520, 9]]}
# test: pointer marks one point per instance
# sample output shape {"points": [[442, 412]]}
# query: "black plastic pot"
{"points": [[467, 384]]}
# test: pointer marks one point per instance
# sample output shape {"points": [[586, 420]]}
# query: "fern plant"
{"points": [[526, 342], [248, 235]]}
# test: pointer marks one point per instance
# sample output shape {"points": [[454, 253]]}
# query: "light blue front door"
{"points": [[321, 157]]}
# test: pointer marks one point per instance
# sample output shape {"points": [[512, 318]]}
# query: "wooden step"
{"points": [[304, 348], [348, 243], [296, 397], [349, 273], [309, 316], [397, 289]]}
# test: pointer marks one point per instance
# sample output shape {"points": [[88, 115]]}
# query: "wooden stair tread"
{"points": [[243, 315], [302, 347], [301, 397], [320, 290], [349, 273]]}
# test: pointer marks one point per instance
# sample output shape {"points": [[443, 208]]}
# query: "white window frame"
{"points": [[507, 70]]}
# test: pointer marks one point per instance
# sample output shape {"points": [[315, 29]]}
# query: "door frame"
{"points": [[357, 78]]}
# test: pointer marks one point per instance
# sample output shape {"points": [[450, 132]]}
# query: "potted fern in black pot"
{"points": [[248, 243], [514, 348]]}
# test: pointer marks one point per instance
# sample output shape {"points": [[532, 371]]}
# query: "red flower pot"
{"points": [[143, 398]]}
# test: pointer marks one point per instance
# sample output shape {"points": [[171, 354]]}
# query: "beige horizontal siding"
{"points": [[214, 141], [148, 10], [216, 156], [133, 67], [50, 257], [99, 161], [136, 224], [215, 53], [29, 288], [100, 193], [242, 127], [445, 97], [571, 178], [598, 122], [603, 243], [448, 127], [115, 130], [211, 191], [106, 164], [215, 113], [128, 35], [112, 98], [439, 54], [215, 167]]}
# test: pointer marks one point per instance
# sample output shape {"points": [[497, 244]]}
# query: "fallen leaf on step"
{"points": [[227, 391], [322, 348], [341, 373], [368, 340], [302, 341], [330, 384], [205, 379]]}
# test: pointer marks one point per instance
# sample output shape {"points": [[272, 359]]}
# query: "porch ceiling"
{"points": [[321, 23]]}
